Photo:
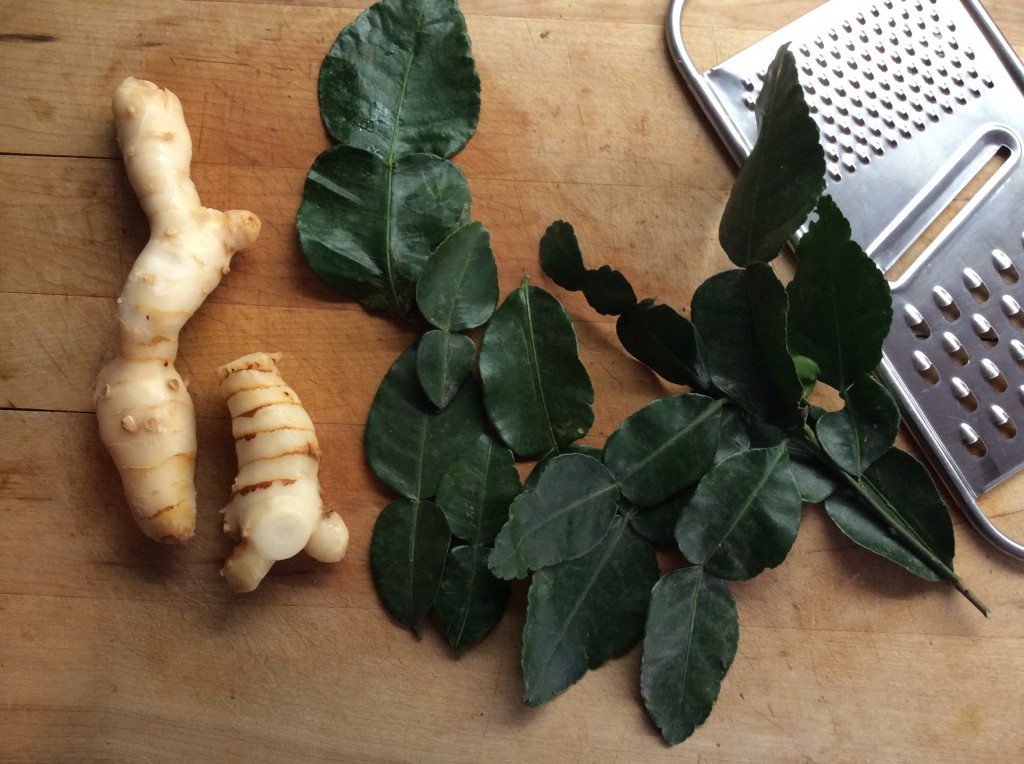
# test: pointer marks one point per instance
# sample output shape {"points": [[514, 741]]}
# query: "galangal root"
{"points": [[275, 510], [146, 418]]}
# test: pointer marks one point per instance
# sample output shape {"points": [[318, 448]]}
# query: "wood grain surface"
{"points": [[113, 648]]}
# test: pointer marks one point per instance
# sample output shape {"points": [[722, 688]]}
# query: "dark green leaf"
{"points": [[840, 304], [569, 511], [608, 291], [816, 482], [668, 343], [808, 371], [408, 442], [470, 601], [740, 315], [476, 490], [657, 524], [583, 612], [536, 390], [575, 448], [458, 288], [781, 180], [744, 515], [443, 362], [664, 447], [560, 256], [367, 228], [689, 643], [407, 553], [864, 430], [401, 80], [906, 486]]}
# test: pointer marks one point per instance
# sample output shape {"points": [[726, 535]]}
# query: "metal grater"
{"points": [[913, 98]]}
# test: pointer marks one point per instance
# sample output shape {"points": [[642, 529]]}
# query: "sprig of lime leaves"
{"points": [[718, 471]]}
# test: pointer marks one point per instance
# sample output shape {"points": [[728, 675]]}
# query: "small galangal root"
{"points": [[276, 509]]}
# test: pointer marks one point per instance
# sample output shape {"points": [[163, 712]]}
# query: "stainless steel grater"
{"points": [[913, 99]]}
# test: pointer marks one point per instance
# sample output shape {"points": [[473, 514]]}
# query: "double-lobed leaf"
{"points": [[690, 640], [407, 556], [780, 182], [367, 227], [744, 515], [537, 392], [904, 486], [583, 612], [408, 442], [664, 447], [401, 80], [563, 517], [607, 290]]}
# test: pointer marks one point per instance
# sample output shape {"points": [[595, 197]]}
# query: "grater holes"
{"points": [[1013, 312], [916, 321], [946, 304], [985, 331], [925, 368], [1017, 352], [963, 394], [1004, 267], [1002, 421], [975, 285], [970, 438], [955, 349], [993, 376]]}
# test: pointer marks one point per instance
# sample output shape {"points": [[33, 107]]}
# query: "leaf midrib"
{"points": [[748, 503]]}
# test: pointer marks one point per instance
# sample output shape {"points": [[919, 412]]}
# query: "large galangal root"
{"points": [[275, 510], [146, 418]]}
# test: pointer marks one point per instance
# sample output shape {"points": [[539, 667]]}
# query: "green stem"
{"points": [[888, 513]]}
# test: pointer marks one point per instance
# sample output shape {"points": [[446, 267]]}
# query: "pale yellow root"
{"points": [[146, 418], [275, 510]]}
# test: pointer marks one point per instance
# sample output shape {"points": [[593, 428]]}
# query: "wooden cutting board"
{"points": [[115, 649]]}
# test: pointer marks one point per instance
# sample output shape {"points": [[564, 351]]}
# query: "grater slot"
{"points": [[935, 197]]}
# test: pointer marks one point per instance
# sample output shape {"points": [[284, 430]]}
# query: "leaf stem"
{"points": [[887, 513]]}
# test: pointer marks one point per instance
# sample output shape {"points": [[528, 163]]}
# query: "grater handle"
{"points": [[698, 85], [988, 530]]}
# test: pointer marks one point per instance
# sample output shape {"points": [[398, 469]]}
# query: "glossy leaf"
{"points": [[780, 182], [407, 553], [740, 315], [690, 641], [564, 517], [458, 288], [907, 488], [744, 515], [400, 80], [443, 362], [607, 290], [840, 327], [657, 336], [367, 228], [470, 601], [408, 442], [664, 447], [476, 490], [733, 435], [536, 390], [864, 429], [583, 612], [576, 448]]}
